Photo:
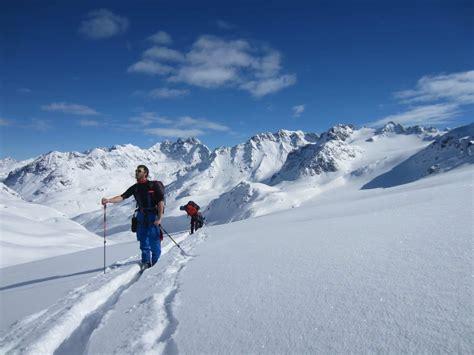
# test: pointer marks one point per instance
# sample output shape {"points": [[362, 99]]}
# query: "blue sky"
{"points": [[76, 75]]}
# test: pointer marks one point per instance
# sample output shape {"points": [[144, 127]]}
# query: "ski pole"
{"points": [[164, 230], [105, 240]]}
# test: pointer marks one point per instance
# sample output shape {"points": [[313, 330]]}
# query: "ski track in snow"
{"points": [[67, 326]]}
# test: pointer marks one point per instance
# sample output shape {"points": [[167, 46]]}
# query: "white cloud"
{"points": [[213, 51], [163, 53], [69, 108], [269, 65], [298, 110], [224, 25], [440, 99], [174, 132], [269, 85], [185, 126], [204, 76], [213, 62], [100, 24], [188, 121], [148, 118], [423, 115], [456, 87], [160, 37], [150, 67], [166, 93]]}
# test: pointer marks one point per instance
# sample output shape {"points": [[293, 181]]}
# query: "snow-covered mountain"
{"points": [[74, 182], [281, 170], [9, 164], [327, 155], [255, 161], [392, 128], [31, 231]]}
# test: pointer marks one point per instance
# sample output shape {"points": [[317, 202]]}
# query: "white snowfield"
{"points": [[352, 271], [31, 231]]}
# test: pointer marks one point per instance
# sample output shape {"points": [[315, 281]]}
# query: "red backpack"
{"points": [[192, 208]]}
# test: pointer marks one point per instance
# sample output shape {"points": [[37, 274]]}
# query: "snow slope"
{"points": [[8, 165], [30, 231], [447, 152], [379, 270]]}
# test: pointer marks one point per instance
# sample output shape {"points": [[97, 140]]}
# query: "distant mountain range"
{"points": [[230, 183]]}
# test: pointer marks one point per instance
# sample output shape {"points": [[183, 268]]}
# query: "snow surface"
{"points": [[30, 231], [352, 271]]}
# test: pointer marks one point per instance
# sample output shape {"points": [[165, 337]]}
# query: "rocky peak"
{"points": [[181, 145], [189, 150], [391, 127], [339, 132], [396, 128]]}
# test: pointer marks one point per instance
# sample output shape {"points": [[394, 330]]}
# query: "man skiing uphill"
{"points": [[150, 206], [192, 209]]}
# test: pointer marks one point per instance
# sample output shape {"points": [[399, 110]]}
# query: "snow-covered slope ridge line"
{"points": [[8, 165], [447, 152], [31, 231]]}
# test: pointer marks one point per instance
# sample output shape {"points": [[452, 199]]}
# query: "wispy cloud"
{"points": [[298, 110], [436, 99], [188, 121], [148, 66], [174, 132], [427, 114], [214, 62], [456, 88], [69, 108], [164, 54], [102, 23], [224, 25], [167, 93], [148, 118], [185, 126], [160, 37]]}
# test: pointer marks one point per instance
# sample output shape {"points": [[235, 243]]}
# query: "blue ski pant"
{"points": [[149, 237]]}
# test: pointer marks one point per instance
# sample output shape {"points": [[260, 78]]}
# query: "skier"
{"points": [[150, 207], [192, 209]]}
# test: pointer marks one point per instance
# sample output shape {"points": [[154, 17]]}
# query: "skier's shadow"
{"points": [[31, 282]]}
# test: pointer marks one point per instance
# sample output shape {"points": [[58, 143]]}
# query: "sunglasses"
{"points": [[139, 171]]}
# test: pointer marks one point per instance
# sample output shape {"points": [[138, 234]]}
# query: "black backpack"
{"points": [[157, 186]]}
